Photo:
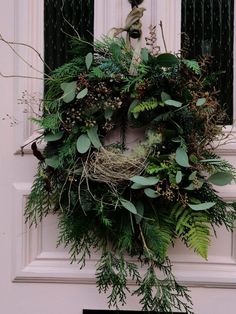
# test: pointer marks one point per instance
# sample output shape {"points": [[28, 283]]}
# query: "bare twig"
{"points": [[21, 76], [9, 44], [162, 35]]}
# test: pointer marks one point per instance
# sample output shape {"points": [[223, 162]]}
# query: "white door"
{"points": [[35, 277]]}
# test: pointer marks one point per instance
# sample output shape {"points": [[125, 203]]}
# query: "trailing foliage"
{"points": [[135, 200]]}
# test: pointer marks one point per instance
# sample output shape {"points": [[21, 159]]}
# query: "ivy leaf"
{"points": [[181, 157], [178, 177], [53, 137], [221, 178], [174, 103], [165, 96], [129, 206], [202, 206], [151, 193], [83, 144], [167, 60], [52, 162], [69, 90], [89, 60], [144, 181], [201, 102], [93, 136], [82, 93]]}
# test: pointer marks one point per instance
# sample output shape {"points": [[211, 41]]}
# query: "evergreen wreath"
{"points": [[132, 202]]}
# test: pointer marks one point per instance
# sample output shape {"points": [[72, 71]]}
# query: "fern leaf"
{"points": [[193, 227], [145, 106], [192, 65]]}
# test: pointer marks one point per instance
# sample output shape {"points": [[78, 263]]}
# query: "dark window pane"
{"points": [[209, 25], [79, 13]]}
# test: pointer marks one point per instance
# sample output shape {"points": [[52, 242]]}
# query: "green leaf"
{"points": [[108, 113], [201, 102], [165, 96], [136, 186], [202, 206], [150, 193], [89, 60], [52, 162], [93, 136], [181, 157], [129, 206], [69, 90], [167, 60], [140, 211], [144, 181], [221, 178], [83, 144], [53, 137], [82, 93], [144, 54], [173, 103], [192, 176], [178, 177]]}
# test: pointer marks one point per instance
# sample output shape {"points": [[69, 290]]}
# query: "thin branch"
{"points": [[64, 18], [20, 57], [21, 76], [31, 47], [162, 35]]}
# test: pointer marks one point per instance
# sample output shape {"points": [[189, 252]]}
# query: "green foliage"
{"points": [[135, 201], [192, 65], [193, 228]]}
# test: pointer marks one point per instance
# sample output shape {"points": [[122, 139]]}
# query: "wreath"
{"points": [[131, 202]]}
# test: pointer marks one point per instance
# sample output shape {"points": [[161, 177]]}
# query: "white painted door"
{"points": [[35, 277]]}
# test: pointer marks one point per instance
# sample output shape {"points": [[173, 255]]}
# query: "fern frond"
{"points": [[194, 229], [145, 106], [192, 65]]}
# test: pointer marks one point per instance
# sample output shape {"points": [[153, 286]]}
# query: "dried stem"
{"points": [[162, 35]]}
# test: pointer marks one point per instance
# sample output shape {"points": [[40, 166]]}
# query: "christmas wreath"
{"points": [[132, 200]]}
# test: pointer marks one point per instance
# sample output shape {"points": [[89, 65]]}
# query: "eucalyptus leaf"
{"points": [[174, 103], [201, 102], [140, 211], [167, 60], [93, 136], [89, 60], [165, 96], [52, 162], [151, 193], [190, 187], [221, 178], [108, 113], [181, 157], [129, 206], [53, 137], [69, 90], [178, 177], [144, 55], [192, 176], [82, 93], [136, 186], [83, 144], [144, 181], [202, 206]]}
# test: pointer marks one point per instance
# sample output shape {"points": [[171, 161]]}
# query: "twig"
{"points": [[64, 18], [21, 76], [31, 47], [162, 35], [20, 57]]}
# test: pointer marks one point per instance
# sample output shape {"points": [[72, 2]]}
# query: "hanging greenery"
{"points": [[132, 201]]}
